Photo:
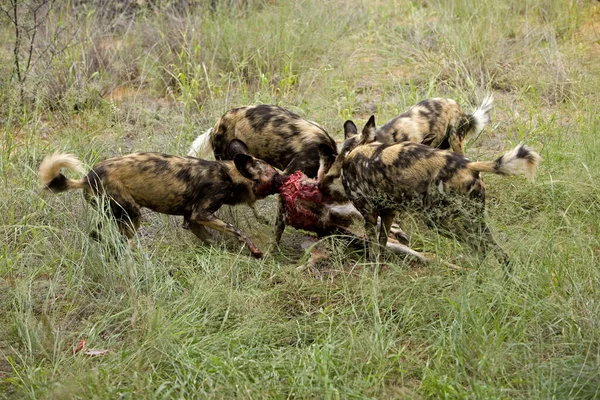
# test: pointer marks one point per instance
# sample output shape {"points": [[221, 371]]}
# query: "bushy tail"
{"points": [[520, 160], [480, 117], [202, 146], [51, 177]]}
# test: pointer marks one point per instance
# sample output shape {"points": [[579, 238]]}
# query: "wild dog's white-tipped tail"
{"points": [[51, 166], [520, 160], [50, 175], [202, 146], [481, 116]]}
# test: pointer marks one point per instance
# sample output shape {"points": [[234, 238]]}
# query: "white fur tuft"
{"points": [[521, 159], [202, 146], [481, 116], [51, 166]]}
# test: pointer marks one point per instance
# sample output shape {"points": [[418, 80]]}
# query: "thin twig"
{"points": [[17, 40], [7, 13]]}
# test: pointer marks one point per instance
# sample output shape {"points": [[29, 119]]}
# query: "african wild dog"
{"points": [[273, 134], [436, 122], [382, 179], [167, 184]]}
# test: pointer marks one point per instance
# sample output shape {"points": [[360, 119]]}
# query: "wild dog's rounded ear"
{"points": [[369, 130], [350, 130], [236, 146], [246, 165]]}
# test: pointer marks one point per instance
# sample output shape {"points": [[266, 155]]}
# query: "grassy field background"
{"points": [[186, 321]]}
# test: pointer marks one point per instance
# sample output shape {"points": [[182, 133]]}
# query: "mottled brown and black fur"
{"points": [[273, 134], [382, 179], [329, 175], [173, 185], [436, 122]]}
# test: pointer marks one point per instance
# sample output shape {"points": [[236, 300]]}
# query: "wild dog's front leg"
{"points": [[211, 221], [370, 216], [387, 217]]}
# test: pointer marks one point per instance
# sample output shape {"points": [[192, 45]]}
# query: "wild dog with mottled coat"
{"points": [[437, 122], [273, 134], [434, 122], [382, 179], [168, 184]]}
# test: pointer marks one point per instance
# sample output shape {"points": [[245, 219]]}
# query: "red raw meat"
{"points": [[300, 192]]}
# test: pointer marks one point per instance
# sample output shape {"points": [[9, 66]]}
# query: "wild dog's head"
{"points": [[330, 175], [266, 178]]}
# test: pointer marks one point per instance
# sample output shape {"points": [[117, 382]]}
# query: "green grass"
{"points": [[185, 321]]}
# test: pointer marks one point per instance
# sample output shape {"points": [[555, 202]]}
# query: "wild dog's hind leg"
{"points": [[99, 204], [126, 212], [121, 207], [370, 215], [211, 221]]}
